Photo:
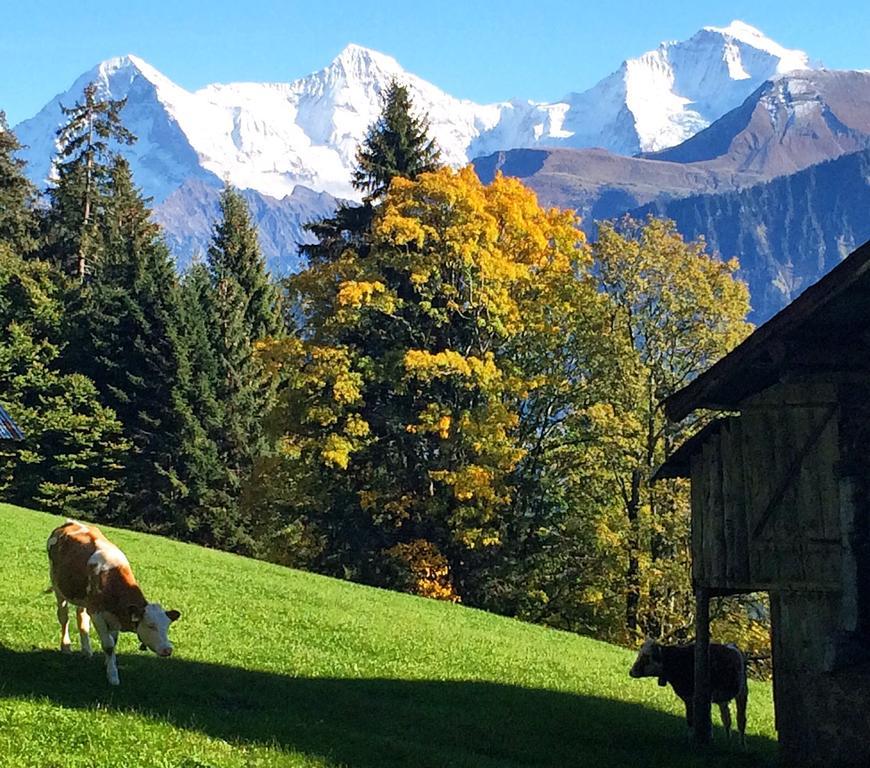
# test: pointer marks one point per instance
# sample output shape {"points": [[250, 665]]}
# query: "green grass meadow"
{"points": [[274, 667]]}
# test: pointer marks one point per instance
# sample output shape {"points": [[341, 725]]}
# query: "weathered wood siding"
{"points": [[765, 495]]}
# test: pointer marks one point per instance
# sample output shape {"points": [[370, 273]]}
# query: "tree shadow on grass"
{"points": [[372, 722]]}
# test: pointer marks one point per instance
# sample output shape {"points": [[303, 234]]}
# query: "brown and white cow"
{"points": [[675, 664], [90, 572]]}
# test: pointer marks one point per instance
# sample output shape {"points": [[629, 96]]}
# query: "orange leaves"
{"points": [[426, 568]]}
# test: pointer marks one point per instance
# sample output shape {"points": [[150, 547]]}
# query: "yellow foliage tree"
{"points": [[436, 366]]}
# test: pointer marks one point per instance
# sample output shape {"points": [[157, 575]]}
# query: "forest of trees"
{"points": [[458, 397]]}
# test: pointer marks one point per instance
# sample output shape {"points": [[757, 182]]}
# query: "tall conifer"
{"points": [[396, 144], [84, 170], [235, 254], [131, 344], [17, 194]]}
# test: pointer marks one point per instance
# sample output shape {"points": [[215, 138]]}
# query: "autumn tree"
{"points": [[409, 408], [679, 309]]}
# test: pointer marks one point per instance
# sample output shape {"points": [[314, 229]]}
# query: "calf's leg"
{"points": [[63, 619], [84, 624], [741, 700], [725, 711], [107, 640]]}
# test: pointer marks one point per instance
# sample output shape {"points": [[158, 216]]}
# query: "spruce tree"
{"points": [[235, 254], [396, 144], [17, 194], [219, 521], [70, 458], [84, 170], [132, 345], [243, 306]]}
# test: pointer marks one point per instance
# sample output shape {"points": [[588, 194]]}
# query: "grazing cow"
{"points": [[675, 664], [90, 572]]}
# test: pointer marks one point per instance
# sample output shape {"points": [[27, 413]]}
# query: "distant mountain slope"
{"points": [[188, 216], [787, 125], [787, 232], [599, 184]]}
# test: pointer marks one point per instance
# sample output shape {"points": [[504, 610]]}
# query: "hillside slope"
{"points": [[279, 668]]}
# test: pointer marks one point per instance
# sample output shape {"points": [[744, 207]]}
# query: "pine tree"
{"points": [[84, 170], [243, 306], [397, 144], [17, 194], [130, 342], [70, 458], [235, 254]]}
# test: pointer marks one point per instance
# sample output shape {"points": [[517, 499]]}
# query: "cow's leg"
{"points": [[107, 640], [84, 624], [725, 711], [63, 619], [741, 700]]}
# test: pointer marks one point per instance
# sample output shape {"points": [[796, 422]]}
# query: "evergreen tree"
{"points": [[241, 306], [235, 254], [84, 170], [130, 342], [17, 194], [397, 144], [70, 458]]}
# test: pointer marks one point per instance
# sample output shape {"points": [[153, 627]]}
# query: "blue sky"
{"points": [[485, 51]]}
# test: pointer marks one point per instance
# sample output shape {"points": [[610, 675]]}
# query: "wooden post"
{"points": [[702, 727]]}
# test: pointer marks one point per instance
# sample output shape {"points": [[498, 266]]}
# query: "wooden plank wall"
{"points": [[773, 469]]}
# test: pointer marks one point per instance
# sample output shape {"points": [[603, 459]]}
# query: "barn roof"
{"points": [[825, 328], [9, 430]]}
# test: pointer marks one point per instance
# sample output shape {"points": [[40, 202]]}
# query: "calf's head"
{"points": [[152, 627], [649, 660]]}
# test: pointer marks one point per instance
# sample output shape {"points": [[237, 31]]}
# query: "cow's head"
{"points": [[152, 627], [649, 660]]}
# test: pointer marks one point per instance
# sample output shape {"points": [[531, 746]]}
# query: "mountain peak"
{"points": [[359, 60], [752, 36], [740, 30]]}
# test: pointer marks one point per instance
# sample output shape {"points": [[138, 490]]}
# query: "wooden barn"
{"points": [[781, 503]]}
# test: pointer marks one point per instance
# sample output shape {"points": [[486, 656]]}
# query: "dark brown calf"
{"points": [[675, 664]]}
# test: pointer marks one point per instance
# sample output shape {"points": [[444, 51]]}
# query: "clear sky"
{"points": [[485, 51]]}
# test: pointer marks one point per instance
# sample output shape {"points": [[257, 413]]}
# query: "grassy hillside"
{"points": [[274, 667]]}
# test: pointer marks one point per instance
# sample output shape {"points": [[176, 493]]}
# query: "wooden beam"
{"points": [[702, 727]]}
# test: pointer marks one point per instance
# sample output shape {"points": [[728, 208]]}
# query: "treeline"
{"points": [[458, 397]]}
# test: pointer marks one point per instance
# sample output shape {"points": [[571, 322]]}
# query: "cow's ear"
{"points": [[173, 615]]}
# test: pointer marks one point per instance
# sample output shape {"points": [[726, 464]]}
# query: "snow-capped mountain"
{"points": [[273, 137], [667, 95]]}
